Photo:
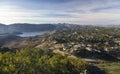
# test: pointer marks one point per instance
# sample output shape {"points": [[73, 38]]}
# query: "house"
{"points": [[88, 48], [77, 46]]}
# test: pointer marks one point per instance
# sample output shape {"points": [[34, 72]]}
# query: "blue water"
{"points": [[30, 34]]}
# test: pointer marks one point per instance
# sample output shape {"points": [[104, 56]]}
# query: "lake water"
{"points": [[30, 34]]}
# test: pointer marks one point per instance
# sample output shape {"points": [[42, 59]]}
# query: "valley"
{"points": [[97, 46]]}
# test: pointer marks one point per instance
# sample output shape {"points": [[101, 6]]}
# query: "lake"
{"points": [[30, 34]]}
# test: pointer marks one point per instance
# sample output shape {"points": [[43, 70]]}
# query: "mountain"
{"points": [[8, 39], [19, 27], [99, 46], [30, 27], [3, 28], [26, 27]]}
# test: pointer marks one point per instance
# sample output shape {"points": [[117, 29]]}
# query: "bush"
{"points": [[37, 61]]}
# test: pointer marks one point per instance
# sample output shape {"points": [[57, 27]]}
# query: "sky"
{"points": [[60, 11]]}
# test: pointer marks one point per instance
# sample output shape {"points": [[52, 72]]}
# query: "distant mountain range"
{"points": [[25, 27]]}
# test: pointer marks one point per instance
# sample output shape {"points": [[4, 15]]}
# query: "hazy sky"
{"points": [[60, 11]]}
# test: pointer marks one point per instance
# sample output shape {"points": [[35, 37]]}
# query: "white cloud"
{"points": [[105, 12]]}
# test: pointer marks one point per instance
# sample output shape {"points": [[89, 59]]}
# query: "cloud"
{"points": [[60, 11]]}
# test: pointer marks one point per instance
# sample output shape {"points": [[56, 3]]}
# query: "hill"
{"points": [[78, 40], [30, 27], [26, 27], [96, 45]]}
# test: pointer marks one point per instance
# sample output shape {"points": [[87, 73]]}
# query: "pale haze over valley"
{"points": [[60, 11]]}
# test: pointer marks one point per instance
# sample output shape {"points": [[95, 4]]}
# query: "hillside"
{"points": [[97, 45], [26, 27], [36, 61], [12, 28], [30, 27], [76, 41]]}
